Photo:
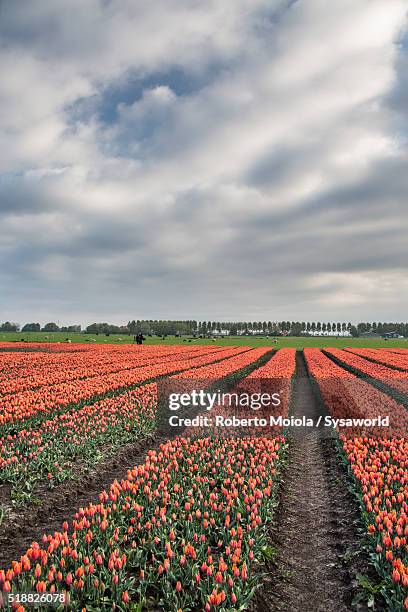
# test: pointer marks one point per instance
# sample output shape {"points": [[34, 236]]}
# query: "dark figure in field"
{"points": [[139, 338]]}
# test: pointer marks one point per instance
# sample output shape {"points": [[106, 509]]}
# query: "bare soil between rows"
{"points": [[22, 526], [315, 529]]}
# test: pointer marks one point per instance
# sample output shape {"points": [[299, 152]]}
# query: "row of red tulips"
{"points": [[348, 396], [159, 536], [73, 439], [379, 465], [26, 404], [52, 369], [48, 450], [383, 357], [48, 347], [24, 363], [223, 368], [393, 378], [274, 377], [277, 375]]}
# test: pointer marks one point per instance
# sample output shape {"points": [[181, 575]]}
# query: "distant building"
{"points": [[389, 335]]}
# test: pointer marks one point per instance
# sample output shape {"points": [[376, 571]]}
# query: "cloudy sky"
{"points": [[234, 159]]}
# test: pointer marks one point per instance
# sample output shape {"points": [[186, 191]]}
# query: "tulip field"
{"points": [[379, 464], [189, 525]]}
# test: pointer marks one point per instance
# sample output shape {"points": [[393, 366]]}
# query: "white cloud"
{"points": [[258, 176]]}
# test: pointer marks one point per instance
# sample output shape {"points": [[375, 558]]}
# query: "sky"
{"points": [[190, 159]]}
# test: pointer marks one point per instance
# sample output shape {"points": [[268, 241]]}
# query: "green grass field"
{"points": [[227, 341]]}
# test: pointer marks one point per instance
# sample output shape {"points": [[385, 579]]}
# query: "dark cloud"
{"points": [[20, 195]]}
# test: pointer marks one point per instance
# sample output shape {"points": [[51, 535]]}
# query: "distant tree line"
{"points": [[36, 327], [298, 328], [271, 328], [106, 328], [162, 328], [205, 328]]}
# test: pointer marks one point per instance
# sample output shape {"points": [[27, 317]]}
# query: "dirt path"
{"points": [[316, 524]]}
